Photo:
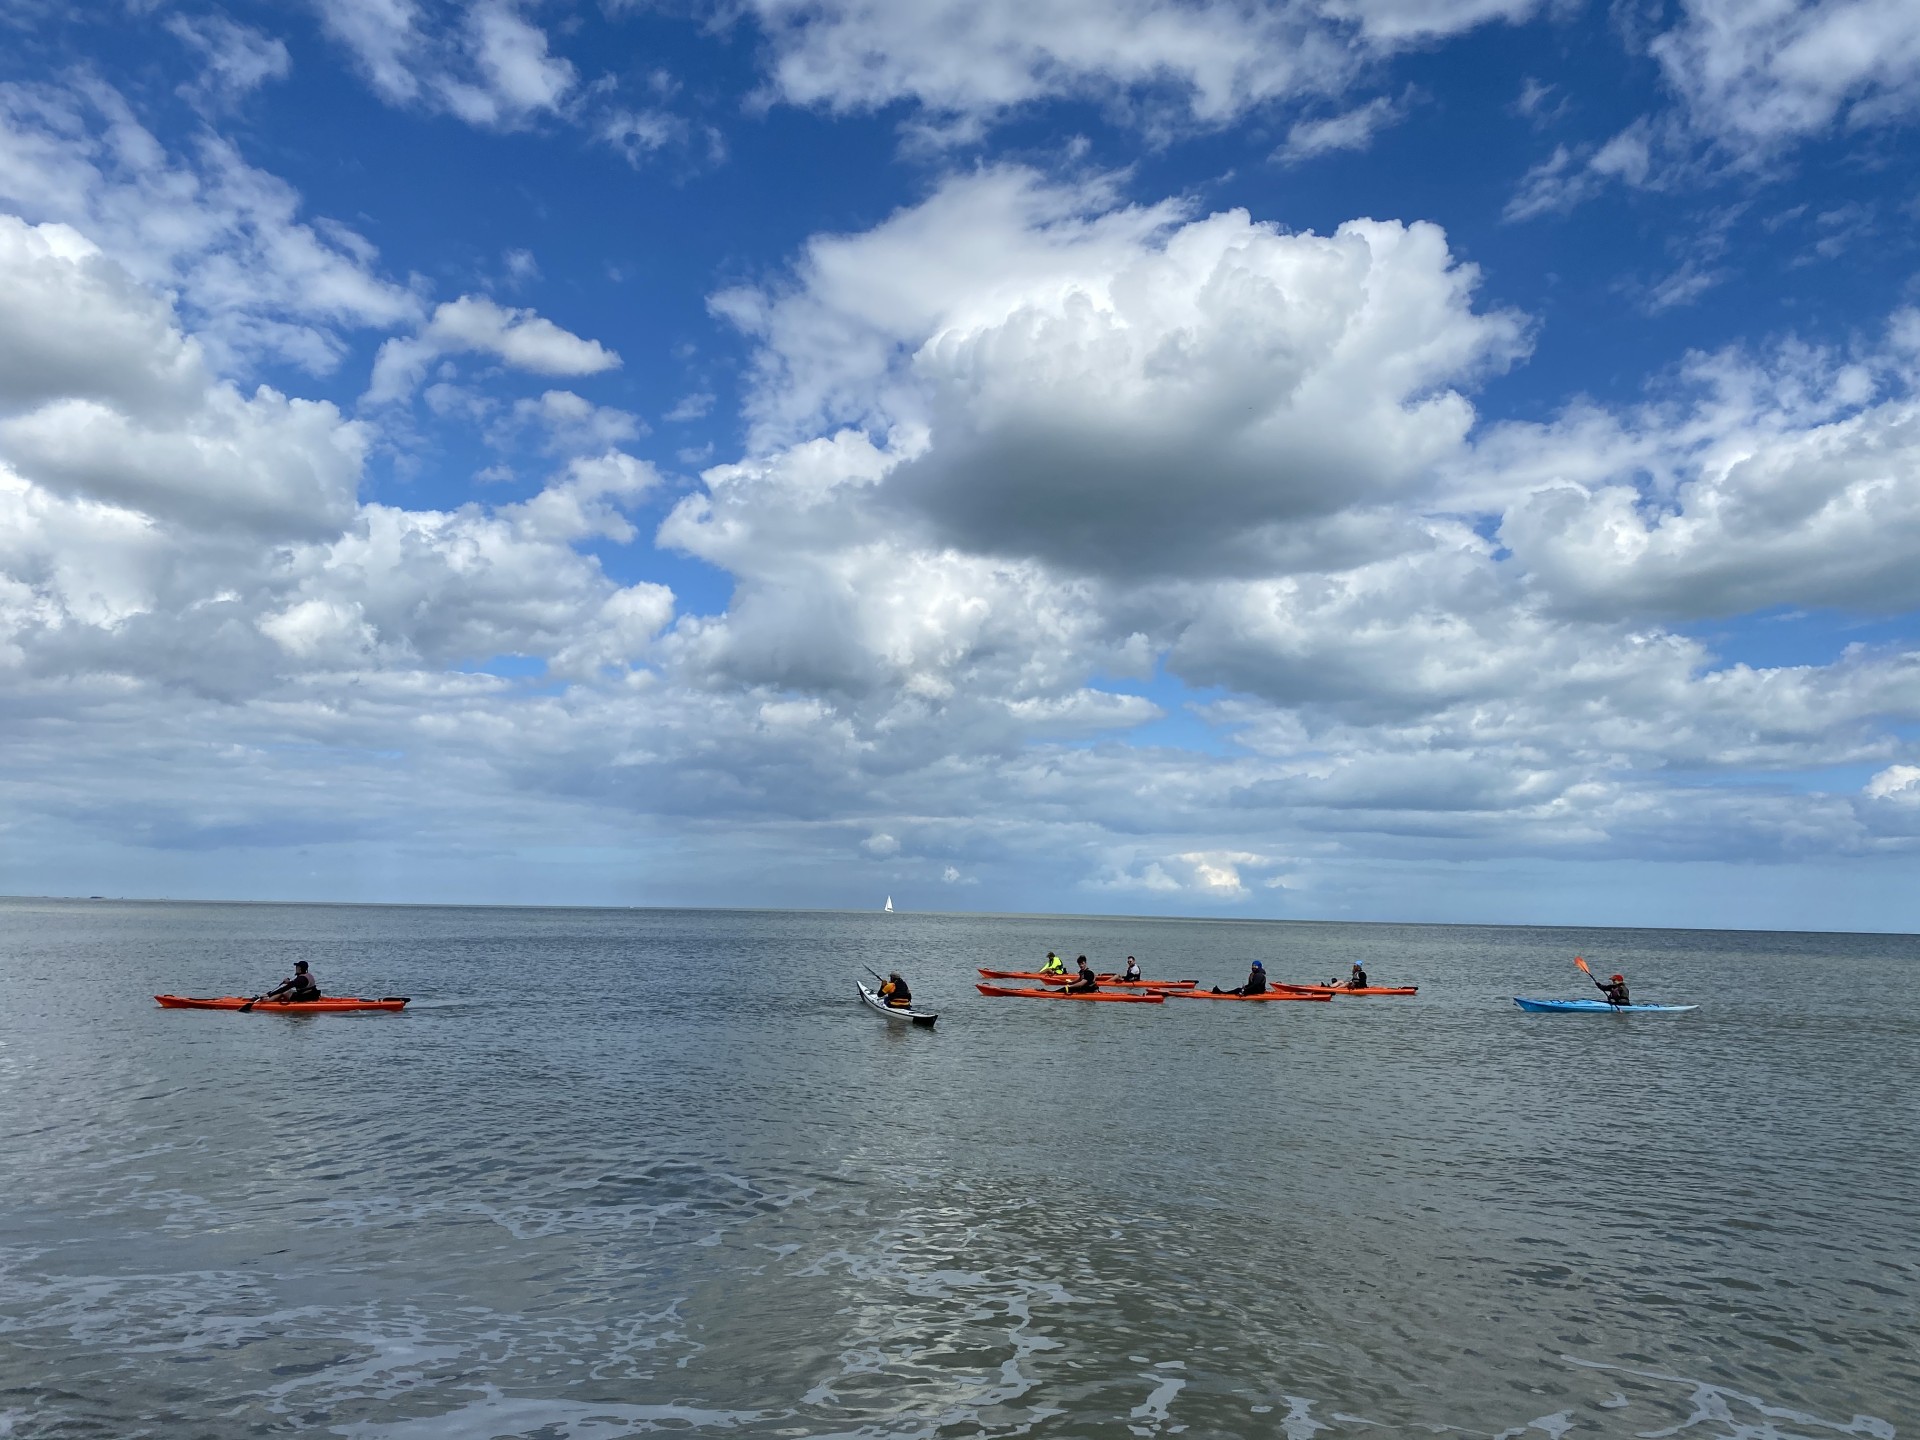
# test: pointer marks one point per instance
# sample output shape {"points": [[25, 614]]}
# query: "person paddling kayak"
{"points": [[1358, 979], [1054, 966], [894, 991], [1133, 969], [1615, 990], [1256, 982], [1084, 981], [296, 987]]}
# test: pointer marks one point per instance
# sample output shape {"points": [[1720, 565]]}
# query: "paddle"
{"points": [[251, 1003], [1596, 980]]}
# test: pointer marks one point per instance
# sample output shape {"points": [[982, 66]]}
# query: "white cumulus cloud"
{"points": [[474, 324]]}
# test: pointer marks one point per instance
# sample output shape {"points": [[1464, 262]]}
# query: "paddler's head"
{"points": [[1619, 979], [1258, 966], [299, 964]]}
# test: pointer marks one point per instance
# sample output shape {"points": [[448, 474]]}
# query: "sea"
{"points": [[633, 1172]]}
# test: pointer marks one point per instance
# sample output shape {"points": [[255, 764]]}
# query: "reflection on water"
{"points": [[730, 1201]]}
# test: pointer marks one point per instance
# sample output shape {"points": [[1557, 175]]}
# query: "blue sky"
{"points": [[1358, 459]]}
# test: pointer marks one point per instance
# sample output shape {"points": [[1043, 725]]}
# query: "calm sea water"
{"points": [[625, 1172]]}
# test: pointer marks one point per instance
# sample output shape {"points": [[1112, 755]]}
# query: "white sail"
{"points": [[889, 905]]}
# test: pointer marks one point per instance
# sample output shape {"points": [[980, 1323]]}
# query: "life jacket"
{"points": [[1256, 983], [1054, 966], [895, 993], [1616, 993]]}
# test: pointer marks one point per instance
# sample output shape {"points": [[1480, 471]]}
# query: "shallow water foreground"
{"points": [[618, 1173]]}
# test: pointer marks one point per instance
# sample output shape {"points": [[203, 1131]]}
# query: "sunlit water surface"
{"points": [[623, 1172]]}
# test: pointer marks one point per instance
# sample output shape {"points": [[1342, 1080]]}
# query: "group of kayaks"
{"points": [[1118, 989]]}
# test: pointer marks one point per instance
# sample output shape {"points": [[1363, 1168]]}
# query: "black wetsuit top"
{"points": [[1616, 993]]}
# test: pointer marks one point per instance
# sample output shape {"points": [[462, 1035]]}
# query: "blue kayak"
{"points": [[1598, 1007]]}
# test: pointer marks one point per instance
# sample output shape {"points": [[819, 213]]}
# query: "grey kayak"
{"points": [[922, 1018]]}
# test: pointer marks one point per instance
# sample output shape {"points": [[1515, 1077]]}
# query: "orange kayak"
{"points": [[1103, 979], [1135, 999], [324, 1006], [1365, 990], [1269, 995]]}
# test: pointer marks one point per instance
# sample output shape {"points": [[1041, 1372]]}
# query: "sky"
{"points": [[1429, 460]]}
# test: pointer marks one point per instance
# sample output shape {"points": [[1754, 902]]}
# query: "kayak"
{"points": [[1363, 990], [923, 1018], [1103, 979], [1268, 995], [1597, 1007], [1135, 999], [326, 1005]]}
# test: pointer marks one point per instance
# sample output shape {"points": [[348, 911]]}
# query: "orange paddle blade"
{"points": [[1583, 965]]}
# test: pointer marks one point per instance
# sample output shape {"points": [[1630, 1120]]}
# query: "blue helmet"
{"points": [[1258, 966]]}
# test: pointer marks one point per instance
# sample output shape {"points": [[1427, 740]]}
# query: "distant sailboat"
{"points": [[888, 907]]}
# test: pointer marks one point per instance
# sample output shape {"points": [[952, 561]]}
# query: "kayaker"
{"points": [[296, 987], [894, 991], [1084, 981], [1357, 980], [1615, 990], [1133, 969], [1256, 982], [1054, 966]]}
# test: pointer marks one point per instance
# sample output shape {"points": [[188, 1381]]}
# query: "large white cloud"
{"points": [[1123, 392], [1203, 61], [1794, 482]]}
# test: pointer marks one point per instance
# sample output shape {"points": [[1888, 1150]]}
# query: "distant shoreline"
{"points": [[900, 915]]}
